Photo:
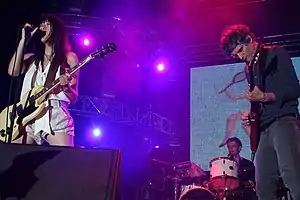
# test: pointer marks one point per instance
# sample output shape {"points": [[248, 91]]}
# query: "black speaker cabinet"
{"points": [[58, 173]]}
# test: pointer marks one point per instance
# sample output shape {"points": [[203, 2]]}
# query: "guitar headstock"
{"points": [[104, 51]]}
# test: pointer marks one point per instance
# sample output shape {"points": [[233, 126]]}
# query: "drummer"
{"points": [[246, 169]]}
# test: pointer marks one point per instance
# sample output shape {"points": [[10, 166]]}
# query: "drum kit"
{"points": [[225, 180], [190, 182]]}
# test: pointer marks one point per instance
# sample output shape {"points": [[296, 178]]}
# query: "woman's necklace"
{"points": [[49, 57], [47, 60]]}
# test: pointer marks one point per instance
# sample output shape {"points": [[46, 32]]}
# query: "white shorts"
{"points": [[60, 122]]}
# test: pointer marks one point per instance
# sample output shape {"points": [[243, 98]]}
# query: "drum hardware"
{"points": [[185, 171], [252, 185], [182, 165], [222, 194], [161, 162], [188, 170], [180, 181], [176, 188], [195, 192]]}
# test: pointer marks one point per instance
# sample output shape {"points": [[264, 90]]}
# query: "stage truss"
{"points": [[120, 112], [211, 54]]}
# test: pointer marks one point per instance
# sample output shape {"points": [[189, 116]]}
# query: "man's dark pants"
{"points": [[278, 154]]}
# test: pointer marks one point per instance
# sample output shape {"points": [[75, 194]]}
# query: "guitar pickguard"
{"points": [[24, 112]]}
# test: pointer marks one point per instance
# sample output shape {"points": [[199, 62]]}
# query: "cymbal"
{"points": [[160, 162], [188, 169]]}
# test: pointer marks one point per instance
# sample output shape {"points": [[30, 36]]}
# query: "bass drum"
{"points": [[194, 192]]}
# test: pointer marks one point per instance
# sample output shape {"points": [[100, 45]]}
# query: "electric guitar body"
{"points": [[26, 112], [32, 106]]}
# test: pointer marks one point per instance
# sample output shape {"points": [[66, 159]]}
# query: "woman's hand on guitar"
{"points": [[65, 79], [255, 95]]}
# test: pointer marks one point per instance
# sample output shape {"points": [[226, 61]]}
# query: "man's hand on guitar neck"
{"points": [[256, 95], [246, 122], [246, 118]]}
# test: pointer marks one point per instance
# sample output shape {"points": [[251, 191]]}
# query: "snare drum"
{"points": [[223, 174], [195, 192]]}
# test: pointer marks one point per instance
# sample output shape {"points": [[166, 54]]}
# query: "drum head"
{"points": [[220, 158], [197, 194]]}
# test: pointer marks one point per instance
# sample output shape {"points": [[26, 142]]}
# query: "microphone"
{"points": [[29, 29]]}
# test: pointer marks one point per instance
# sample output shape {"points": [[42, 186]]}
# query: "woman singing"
{"points": [[51, 59]]}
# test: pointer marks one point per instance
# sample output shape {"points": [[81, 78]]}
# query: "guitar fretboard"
{"points": [[99, 53], [55, 83]]}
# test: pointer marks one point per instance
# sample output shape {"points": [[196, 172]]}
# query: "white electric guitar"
{"points": [[32, 107]]}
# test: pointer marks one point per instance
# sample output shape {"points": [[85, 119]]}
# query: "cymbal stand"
{"points": [[223, 194], [176, 188], [252, 184]]}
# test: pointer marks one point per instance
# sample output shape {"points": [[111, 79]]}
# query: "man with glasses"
{"points": [[278, 151]]}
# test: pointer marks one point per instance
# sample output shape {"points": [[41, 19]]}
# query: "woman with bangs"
{"points": [[51, 60]]}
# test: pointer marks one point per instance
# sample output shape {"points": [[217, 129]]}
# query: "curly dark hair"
{"points": [[236, 140], [234, 35]]}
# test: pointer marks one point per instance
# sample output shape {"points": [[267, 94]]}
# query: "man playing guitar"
{"points": [[278, 152]]}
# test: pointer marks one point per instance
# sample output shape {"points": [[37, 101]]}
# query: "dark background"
{"points": [[186, 32]]}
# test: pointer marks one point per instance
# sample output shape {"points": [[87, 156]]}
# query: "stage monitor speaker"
{"points": [[58, 173]]}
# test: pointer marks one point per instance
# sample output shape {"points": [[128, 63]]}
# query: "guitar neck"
{"points": [[111, 47], [55, 83]]}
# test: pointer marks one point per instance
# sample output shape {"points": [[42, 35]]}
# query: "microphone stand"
{"points": [[11, 115]]}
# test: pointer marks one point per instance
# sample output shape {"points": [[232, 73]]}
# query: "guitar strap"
{"points": [[262, 64], [28, 62], [51, 74], [33, 78]]}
